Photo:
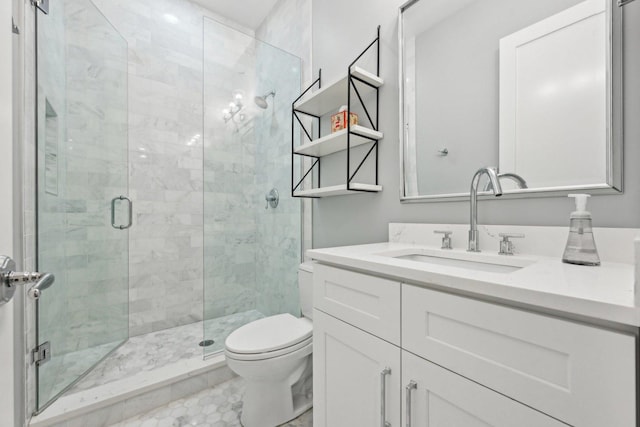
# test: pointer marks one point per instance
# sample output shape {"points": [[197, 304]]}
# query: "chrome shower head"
{"points": [[261, 101]]}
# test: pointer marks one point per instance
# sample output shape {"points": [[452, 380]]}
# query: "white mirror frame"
{"points": [[614, 183]]}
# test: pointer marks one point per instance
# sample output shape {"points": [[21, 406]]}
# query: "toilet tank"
{"points": [[305, 283]]}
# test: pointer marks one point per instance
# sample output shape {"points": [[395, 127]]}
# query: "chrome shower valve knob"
{"points": [[272, 198]]}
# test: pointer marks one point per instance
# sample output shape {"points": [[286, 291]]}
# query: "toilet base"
{"points": [[269, 404]]}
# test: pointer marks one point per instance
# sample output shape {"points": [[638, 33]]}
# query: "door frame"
{"points": [[7, 311], [12, 386]]}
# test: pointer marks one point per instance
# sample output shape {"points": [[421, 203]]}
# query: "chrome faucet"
{"points": [[474, 243], [520, 182]]}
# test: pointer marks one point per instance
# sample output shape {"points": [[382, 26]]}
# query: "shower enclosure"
{"points": [[192, 124]]}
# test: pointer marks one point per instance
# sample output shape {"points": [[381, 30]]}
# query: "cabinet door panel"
{"points": [[580, 374], [445, 399], [347, 364], [367, 302]]}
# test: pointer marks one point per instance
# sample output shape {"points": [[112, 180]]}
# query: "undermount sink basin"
{"points": [[465, 260]]}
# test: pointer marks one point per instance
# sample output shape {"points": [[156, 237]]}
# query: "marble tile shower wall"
{"points": [[251, 252], [278, 230], [288, 26], [165, 152], [96, 169], [230, 195]]}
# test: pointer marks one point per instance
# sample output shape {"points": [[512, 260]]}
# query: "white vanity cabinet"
{"points": [[437, 397], [356, 343], [356, 376], [472, 362], [577, 373], [367, 302]]}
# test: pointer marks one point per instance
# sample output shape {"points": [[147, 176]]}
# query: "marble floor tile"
{"points": [[155, 350], [220, 406]]}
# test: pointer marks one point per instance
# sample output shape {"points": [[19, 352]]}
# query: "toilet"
{"points": [[273, 355]]}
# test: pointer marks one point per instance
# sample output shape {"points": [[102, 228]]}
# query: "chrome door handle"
{"points": [[9, 279], [113, 213], [383, 397], [410, 387]]}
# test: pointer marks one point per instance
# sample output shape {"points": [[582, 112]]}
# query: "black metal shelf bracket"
{"points": [[352, 86], [296, 117]]}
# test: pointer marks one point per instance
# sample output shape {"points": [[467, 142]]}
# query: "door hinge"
{"points": [[14, 27], [43, 5], [41, 354]]}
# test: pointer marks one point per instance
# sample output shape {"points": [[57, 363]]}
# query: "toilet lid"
{"points": [[269, 334]]}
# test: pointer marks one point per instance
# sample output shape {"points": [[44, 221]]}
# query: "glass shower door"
{"points": [[82, 181]]}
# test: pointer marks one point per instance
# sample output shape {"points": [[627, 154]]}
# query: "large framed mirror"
{"points": [[532, 87]]}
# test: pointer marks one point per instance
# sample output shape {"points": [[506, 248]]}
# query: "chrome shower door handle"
{"points": [[130, 223], [383, 397], [113, 213], [410, 387]]}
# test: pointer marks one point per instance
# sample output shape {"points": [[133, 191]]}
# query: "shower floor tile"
{"points": [[158, 349], [220, 406]]}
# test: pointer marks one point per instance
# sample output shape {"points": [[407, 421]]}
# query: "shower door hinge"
{"points": [[41, 354], [43, 5]]}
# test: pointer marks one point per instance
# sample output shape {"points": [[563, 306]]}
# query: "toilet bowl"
{"points": [[273, 355]]}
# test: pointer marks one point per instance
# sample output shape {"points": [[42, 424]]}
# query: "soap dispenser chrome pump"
{"points": [[581, 247]]}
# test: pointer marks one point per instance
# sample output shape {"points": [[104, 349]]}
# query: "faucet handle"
{"points": [[506, 245], [446, 239]]}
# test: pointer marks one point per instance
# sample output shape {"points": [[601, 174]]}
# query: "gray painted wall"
{"points": [[340, 31]]}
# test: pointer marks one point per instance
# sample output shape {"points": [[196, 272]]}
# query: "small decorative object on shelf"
{"points": [[339, 120], [345, 134]]}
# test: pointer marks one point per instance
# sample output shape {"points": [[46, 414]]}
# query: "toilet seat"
{"points": [[269, 335], [301, 346]]}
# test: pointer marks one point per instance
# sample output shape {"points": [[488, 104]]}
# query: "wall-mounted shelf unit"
{"points": [[361, 83], [337, 141], [337, 190]]}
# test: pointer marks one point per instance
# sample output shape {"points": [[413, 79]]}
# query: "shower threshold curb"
{"points": [[119, 400]]}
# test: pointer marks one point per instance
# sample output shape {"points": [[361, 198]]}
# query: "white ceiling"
{"points": [[249, 13]]}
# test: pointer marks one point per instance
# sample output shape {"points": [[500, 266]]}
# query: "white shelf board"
{"points": [[338, 141], [331, 97], [338, 190]]}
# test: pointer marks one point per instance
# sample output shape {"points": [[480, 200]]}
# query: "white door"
{"points": [[441, 398], [349, 365], [6, 214]]}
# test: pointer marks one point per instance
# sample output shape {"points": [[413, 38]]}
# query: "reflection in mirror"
{"points": [[523, 85]]}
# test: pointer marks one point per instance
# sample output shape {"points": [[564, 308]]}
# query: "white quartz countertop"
{"points": [[603, 293]]}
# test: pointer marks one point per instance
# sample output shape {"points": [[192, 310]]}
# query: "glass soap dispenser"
{"points": [[581, 247]]}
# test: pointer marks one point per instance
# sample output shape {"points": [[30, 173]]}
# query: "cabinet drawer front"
{"points": [[580, 374], [444, 399], [347, 374], [367, 302]]}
